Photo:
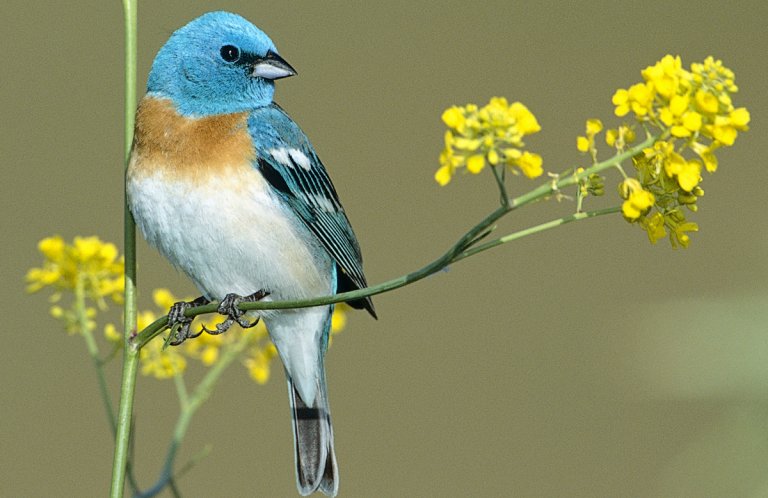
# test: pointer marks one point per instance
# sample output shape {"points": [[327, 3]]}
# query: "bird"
{"points": [[225, 185]]}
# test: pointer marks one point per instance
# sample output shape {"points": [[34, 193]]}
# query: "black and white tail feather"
{"points": [[316, 468]]}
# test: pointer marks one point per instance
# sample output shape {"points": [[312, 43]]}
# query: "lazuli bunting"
{"points": [[227, 187]]}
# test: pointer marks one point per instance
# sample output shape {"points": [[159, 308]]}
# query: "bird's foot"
{"points": [[229, 308], [179, 324]]}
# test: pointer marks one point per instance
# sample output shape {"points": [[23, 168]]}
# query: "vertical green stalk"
{"points": [[130, 353]]}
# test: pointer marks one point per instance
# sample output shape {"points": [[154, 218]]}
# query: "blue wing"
{"points": [[289, 163]]}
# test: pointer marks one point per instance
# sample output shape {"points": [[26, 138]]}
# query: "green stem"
{"points": [[130, 353], [181, 390], [498, 173], [190, 404], [93, 350], [124, 421], [537, 229]]}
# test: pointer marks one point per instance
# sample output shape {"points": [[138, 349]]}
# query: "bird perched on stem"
{"points": [[228, 188]]}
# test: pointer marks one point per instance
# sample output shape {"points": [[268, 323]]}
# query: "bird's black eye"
{"points": [[230, 53]]}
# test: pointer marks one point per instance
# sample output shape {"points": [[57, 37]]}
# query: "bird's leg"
{"points": [[179, 324], [229, 308]]}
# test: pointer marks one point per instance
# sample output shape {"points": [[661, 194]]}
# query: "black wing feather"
{"points": [[308, 190]]}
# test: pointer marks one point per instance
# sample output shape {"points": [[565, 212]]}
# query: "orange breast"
{"points": [[192, 148]]}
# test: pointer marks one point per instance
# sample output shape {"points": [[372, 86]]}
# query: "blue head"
{"points": [[217, 64]]}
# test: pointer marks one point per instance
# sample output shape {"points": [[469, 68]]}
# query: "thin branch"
{"points": [[537, 229], [499, 176]]}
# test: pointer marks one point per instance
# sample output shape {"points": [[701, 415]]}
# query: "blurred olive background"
{"points": [[579, 362]]}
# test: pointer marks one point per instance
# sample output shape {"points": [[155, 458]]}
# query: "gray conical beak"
{"points": [[272, 67]]}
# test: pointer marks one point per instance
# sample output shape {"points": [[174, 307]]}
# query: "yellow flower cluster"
{"points": [[695, 116], [88, 264], [690, 104], [491, 135]]}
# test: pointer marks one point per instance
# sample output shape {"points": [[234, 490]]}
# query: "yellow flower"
{"points": [[687, 173], [666, 76], [690, 175], [475, 163], [453, 117], [491, 135], [594, 126], [640, 97], [339, 318], [161, 362], [680, 236], [682, 120], [87, 261], [443, 175], [258, 362], [525, 121], [707, 102], [587, 143], [692, 121], [163, 298], [722, 131], [654, 226], [530, 164], [112, 334], [582, 143], [725, 128], [621, 100], [638, 201], [52, 247], [707, 155], [206, 347], [740, 118]]}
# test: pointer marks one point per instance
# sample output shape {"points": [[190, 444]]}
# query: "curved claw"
{"points": [[220, 327], [246, 324], [192, 336], [179, 323], [229, 308]]}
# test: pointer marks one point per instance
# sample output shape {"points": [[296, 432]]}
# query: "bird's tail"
{"points": [[313, 439]]}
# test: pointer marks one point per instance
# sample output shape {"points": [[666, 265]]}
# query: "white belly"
{"points": [[230, 234]]}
